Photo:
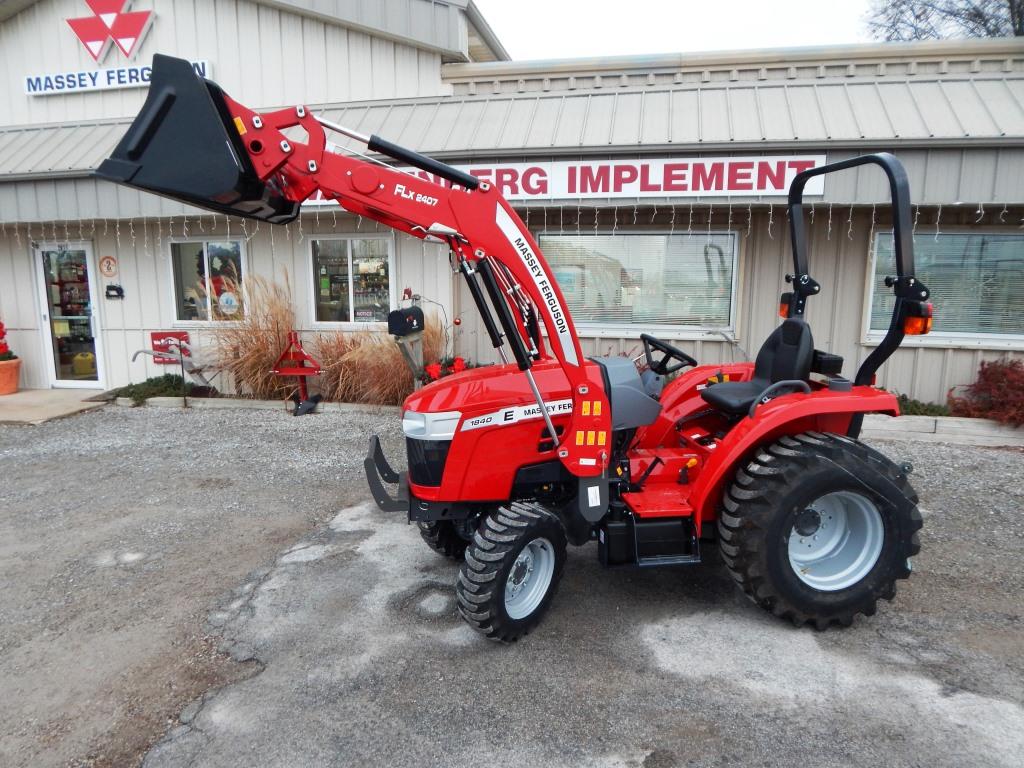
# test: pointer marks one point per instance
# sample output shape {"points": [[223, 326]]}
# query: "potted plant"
{"points": [[9, 365]]}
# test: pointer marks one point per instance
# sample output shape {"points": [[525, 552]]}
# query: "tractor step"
{"points": [[648, 543]]}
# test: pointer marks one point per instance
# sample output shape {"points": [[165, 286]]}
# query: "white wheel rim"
{"points": [[529, 579], [836, 541]]}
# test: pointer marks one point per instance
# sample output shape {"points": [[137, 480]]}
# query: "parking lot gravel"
{"points": [[134, 537]]}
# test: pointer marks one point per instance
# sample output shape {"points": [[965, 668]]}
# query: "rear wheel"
{"points": [[817, 527], [511, 571], [444, 537]]}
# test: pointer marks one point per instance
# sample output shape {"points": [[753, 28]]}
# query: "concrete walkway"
{"points": [[35, 406]]}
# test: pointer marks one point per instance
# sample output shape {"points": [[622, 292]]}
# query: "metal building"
{"points": [[655, 185]]}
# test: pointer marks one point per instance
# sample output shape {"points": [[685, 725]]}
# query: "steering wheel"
{"points": [[663, 367]]}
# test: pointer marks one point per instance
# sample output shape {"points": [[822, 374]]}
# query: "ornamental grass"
{"points": [[246, 350], [368, 367]]}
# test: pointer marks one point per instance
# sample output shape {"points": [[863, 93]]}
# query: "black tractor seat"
{"points": [[786, 354]]}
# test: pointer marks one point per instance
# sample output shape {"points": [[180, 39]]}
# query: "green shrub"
{"points": [[911, 407], [168, 385]]}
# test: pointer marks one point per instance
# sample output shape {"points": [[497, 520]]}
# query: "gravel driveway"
{"points": [[180, 532]]}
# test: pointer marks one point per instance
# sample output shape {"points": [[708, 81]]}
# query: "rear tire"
{"points": [[817, 527], [443, 537], [511, 571]]}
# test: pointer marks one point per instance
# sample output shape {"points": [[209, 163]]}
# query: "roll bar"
{"points": [[911, 294]]}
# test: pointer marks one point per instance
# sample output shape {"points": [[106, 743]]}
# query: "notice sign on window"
{"points": [[764, 176]]}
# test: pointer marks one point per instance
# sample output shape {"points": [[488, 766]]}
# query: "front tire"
{"points": [[444, 538], [511, 571], [817, 527]]}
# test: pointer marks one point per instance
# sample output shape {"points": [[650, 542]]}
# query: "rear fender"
{"points": [[821, 411]]}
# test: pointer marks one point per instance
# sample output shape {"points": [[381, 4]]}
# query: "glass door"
{"points": [[69, 293]]}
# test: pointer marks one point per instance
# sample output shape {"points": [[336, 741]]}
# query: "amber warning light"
{"points": [[919, 325]]}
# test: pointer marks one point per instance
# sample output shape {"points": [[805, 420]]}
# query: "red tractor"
{"points": [[508, 464]]}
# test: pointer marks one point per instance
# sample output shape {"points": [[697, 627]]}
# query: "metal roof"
{"points": [[932, 113]]}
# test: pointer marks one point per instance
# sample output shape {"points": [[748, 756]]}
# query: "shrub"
{"points": [[911, 407], [168, 385], [997, 394], [247, 349]]}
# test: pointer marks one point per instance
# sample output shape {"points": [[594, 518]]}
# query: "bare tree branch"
{"points": [[940, 19]]}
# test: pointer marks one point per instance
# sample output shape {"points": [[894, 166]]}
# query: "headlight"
{"points": [[431, 426]]}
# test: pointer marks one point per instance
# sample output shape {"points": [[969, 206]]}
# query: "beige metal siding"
{"points": [[144, 272], [263, 56]]}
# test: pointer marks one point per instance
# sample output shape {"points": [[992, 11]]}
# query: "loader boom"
{"points": [[488, 240]]}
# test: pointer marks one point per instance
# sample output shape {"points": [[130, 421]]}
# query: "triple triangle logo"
{"points": [[111, 22]]}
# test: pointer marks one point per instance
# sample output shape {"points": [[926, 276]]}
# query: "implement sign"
{"points": [[707, 176], [130, 76]]}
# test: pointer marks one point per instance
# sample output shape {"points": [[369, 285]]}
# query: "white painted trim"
{"points": [[96, 307]]}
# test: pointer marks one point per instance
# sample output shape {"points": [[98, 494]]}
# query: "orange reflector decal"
{"points": [[602, 437], [590, 437], [597, 409], [585, 410], [240, 126], [783, 310], [579, 438]]}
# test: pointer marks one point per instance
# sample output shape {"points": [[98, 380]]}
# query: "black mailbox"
{"points": [[402, 322]]}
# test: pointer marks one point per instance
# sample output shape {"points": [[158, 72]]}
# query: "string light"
{"points": [[849, 225], [771, 220], [711, 211], [654, 213], [579, 216], [689, 224], [131, 231], [104, 227], [184, 225], [672, 223], [750, 221], [636, 210], [871, 233], [67, 232], [917, 215], [17, 235], [597, 218], [159, 237], [980, 212], [145, 236], [728, 221], [615, 220], [812, 213], [828, 235], [334, 216], [938, 218], [1002, 214]]}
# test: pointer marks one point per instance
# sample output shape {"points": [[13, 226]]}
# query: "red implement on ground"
{"points": [[509, 463], [295, 361]]}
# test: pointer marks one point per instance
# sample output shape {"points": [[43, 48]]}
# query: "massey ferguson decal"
{"points": [[111, 22], [516, 413], [544, 284], [111, 25]]}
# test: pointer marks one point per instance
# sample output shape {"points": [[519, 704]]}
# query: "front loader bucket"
{"points": [[184, 145]]}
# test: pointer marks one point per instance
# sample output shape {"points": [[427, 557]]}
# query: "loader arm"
{"points": [[490, 245]]}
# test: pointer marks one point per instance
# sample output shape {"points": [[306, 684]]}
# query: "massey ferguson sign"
{"points": [[110, 25], [111, 22], [764, 176]]}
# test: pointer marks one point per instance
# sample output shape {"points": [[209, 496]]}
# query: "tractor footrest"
{"points": [[648, 544]]}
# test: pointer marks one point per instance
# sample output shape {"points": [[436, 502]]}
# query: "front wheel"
{"points": [[817, 527], [511, 571]]}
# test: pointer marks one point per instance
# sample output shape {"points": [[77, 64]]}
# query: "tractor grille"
{"points": [[426, 460]]}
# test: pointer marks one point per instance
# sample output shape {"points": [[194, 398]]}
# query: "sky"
{"points": [[554, 29]]}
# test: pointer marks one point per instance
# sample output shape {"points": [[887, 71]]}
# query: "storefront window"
{"points": [[351, 280], [976, 281], [646, 280], [207, 280]]}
